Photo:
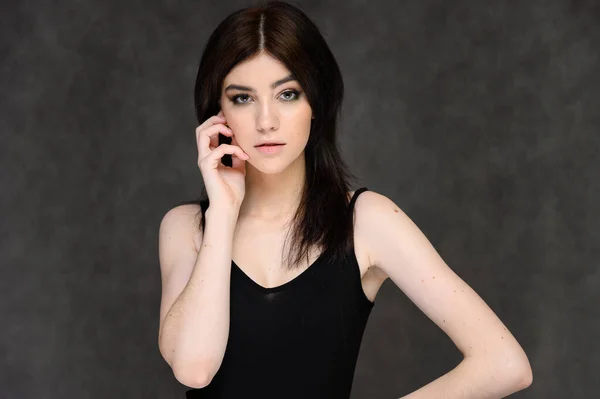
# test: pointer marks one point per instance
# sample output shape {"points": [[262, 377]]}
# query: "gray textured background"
{"points": [[478, 118]]}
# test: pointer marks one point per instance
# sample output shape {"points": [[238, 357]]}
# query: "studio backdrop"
{"points": [[479, 119]]}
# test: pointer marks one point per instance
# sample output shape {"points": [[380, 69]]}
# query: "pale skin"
{"points": [[494, 364], [387, 243]]}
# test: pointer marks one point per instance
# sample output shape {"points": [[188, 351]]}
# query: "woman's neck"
{"points": [[273, 196]]}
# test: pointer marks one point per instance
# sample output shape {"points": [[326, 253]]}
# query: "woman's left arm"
{"points": [[494, 364]]}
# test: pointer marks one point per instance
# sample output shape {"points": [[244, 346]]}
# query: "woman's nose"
{"points": [[267, 120]]}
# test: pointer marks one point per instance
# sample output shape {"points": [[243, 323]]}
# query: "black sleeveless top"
{"points": [[297, 340]]}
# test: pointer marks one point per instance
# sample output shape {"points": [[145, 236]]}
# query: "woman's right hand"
{"points": [[225, 185]]}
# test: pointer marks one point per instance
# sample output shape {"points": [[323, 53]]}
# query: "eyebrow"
{"points": [[273, 85]]}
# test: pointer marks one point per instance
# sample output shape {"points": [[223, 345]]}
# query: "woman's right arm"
{"points": [[194, 312]]}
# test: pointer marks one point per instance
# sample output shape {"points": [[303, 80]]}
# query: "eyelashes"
{"points": [[294, 94]]}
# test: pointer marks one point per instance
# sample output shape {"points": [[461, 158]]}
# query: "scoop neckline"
{"points": [[311, 269]]}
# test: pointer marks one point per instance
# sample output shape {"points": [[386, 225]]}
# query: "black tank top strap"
{"points": [[354, 197]]}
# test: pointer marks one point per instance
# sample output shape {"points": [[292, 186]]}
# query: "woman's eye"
{"points": [[234, 99], [289, 95], [294, 94]]}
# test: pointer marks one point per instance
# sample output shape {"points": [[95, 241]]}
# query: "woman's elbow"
{"points": [[526, 377], [522, 374], [192, 376]]}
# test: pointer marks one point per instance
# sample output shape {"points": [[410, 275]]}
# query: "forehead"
{"points": [[262, 68]]}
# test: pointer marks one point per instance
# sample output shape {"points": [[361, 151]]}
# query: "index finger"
{"points": [[210, 121]]}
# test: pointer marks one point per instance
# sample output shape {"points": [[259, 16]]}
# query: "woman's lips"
{"points": [[270, 149]]}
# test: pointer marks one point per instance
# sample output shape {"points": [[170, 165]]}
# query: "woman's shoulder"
{"points": [[366, 200], [369, 200], [184, 212], [363, 205], [184, 220], [370, 206]]}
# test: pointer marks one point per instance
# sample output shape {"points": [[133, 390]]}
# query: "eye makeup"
{"points": [[292, 92]]}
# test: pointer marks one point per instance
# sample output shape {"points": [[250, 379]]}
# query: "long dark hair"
{"points": [[284, 32]]}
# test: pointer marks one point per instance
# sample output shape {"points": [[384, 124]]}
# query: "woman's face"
{"points": [[262, 103]]}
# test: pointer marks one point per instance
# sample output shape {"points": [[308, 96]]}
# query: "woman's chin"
{"points": [[270, 167]]}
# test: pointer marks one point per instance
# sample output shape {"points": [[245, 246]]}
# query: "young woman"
{"points": [[269, 279]]}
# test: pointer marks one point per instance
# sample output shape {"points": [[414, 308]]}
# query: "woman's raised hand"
{"points": [[225, 185]]}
